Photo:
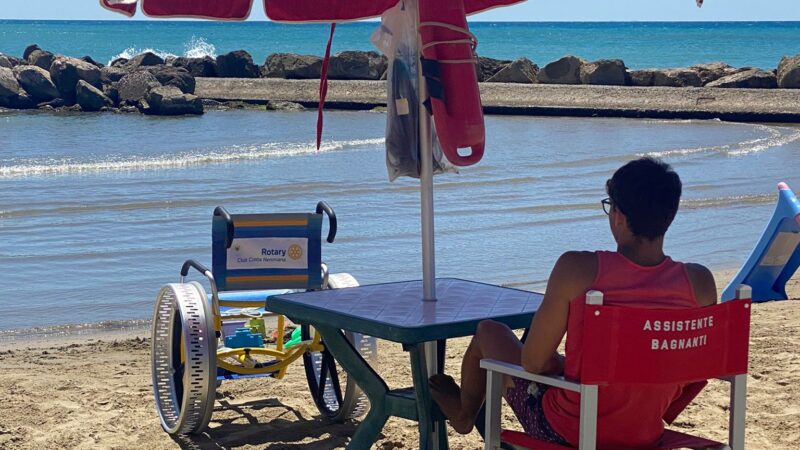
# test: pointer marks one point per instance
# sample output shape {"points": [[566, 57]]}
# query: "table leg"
{"points": [[370, 382], [427, 412]]}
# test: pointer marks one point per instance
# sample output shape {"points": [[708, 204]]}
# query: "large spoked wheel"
{"points": [[336, 395], [183, 358]]}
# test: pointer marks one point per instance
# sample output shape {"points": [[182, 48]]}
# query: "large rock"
{"points": [[41, 58], [642, 77], [119, 62], [174, 76], [789, 72], [566, 70], [112, 74], [134, 86], [9, 86], [236, 64], [488, 67], [91, 61], [519, 71], [36, 82], [28, 50], [21, 101], [143, 60], [90, 98], [292, 66], [751, 78], [112, 92], [713, 71], [676, 78], [357, 65], [6, 62], [11, 94], [170, 101], [66, 72], [606, 72], [198, 67]]}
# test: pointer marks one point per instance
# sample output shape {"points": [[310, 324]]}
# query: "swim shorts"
{"points": [[525, 398]]}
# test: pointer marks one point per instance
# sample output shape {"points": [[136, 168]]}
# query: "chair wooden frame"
{"points": [[495, 371]]}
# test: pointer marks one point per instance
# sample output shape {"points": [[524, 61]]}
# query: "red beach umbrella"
{"points": [[277, 10]]}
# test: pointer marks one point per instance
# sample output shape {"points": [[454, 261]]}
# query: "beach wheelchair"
{"points": [[201, 340]]}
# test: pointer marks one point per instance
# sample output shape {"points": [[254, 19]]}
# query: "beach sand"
{"points": [[93, 391]]}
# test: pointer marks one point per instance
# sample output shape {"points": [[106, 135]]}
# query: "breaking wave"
{"points": [[231, 154], [771, 137], [197, 47]]}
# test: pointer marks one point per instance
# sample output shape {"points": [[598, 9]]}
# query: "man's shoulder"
{"points": [[703, 283], [577, 269], [578, 259]]}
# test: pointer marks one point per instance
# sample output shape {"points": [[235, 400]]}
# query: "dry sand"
{"points": [[94, 392]]}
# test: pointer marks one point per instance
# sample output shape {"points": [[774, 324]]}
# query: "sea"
{"points": [[99, 210]]}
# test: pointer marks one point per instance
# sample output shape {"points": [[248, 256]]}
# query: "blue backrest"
{"points": [[267, 251]]}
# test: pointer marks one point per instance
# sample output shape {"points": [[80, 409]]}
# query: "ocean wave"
{"points": [[231, 154], [698, 203], [197, 47], [772, 137]]}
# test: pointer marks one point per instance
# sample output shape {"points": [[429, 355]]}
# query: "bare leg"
{"points": [[492, 340]]}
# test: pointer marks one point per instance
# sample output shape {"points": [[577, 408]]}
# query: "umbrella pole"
{"points": [[429, 349], [425, 183]]}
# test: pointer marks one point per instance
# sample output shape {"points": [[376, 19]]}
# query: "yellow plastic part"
{"points": [[244, 355]]}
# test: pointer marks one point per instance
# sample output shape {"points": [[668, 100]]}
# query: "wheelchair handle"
{"points": [[190, 263], [222, 212], [322, 206]]}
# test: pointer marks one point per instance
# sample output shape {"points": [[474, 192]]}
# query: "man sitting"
{"points": [[643, 197]]}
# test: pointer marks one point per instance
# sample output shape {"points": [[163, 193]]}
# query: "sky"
{"points": [[533, 10]]}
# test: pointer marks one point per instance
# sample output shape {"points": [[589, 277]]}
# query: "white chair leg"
{"points": [[494, 399], [738, 402], [588, 419]]}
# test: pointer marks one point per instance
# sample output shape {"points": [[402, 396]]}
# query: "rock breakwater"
{"points": [[151, 84]]}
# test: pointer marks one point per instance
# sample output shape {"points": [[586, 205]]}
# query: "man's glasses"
{"points": [[607, 204]]}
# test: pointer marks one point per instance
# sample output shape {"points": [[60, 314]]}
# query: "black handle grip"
{"points": [[192, 263], [222, 212], [322, 206]]}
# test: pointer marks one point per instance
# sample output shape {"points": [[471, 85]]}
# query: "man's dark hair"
{"points": [[647, 191]]}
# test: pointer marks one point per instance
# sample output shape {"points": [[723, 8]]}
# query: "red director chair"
{"points": [[620, 347]]}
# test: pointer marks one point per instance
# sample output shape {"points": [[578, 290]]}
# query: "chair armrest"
{"points": [[517, 371]]}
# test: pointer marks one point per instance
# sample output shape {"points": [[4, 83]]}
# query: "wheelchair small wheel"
{"points": [[183, 358], [336, 395]]}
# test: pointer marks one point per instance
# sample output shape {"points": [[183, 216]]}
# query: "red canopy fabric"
{"points": [[277, 10]]}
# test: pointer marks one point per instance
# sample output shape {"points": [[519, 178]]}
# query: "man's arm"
{"points": [[572, 275]]}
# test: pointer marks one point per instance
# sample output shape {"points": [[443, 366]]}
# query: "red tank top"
{"points": [[628, 416]]}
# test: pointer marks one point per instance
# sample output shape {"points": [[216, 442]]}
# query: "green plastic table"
{"points": [[396, 312]]}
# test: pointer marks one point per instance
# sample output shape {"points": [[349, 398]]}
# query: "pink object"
{"points": [[457, 110], [783, 186]]}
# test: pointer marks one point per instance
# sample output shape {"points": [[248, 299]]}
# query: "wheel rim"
{"points": [[324, 379], [182, 358]]}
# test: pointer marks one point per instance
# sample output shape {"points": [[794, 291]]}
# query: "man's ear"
{"points": [[620, 220]]}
